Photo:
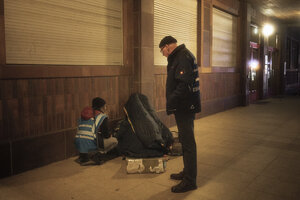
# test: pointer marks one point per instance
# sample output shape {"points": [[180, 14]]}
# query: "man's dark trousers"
{"points": [[185, 125]]}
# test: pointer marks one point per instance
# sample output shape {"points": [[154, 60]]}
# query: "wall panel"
{"points": [[41, 103], [184, 28], [224, 39], [47, 110], [5, 160], [82, 32], [219, 91], [33, 107]]}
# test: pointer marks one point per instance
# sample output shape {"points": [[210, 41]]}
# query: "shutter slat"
{"points": [[177, 18], [224, 39], [69, 32]]}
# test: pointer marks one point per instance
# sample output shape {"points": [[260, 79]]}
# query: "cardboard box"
{"points": [[146, 165]]}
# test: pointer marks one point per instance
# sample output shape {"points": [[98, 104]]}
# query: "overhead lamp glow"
{"points": [[268, 29], [255, 30], [253, 64]]}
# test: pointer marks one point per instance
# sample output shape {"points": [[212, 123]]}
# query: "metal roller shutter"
{"points": [[69, 32], [177, 18], [224, 39]]}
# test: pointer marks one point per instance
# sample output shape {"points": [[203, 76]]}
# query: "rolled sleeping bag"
{"points": [[143, 123], [164, 131]]}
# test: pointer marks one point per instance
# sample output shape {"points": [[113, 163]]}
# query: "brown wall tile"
{"points": [[2, 133], [168, 120], [75, 101], [1, 111], [7, 89], [69, 86], [48, 121], [231, 6], [147, 29], [50, 86], [59, 86], [48, 105], [70, 146], [206, 48], [24, 109], [206, 19], [36, 105], [232, 101], [59, 102], [22, 88], [2, 34], [35, 152], [84, 99], [5, 166], [36, 87], [68, 102]]}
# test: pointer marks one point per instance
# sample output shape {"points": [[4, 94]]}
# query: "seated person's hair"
{"points": [[98, 103]]}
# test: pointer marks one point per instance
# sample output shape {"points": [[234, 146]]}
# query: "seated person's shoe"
{"points": [[96, 158], [178, 176], [83, 158], [183, 186]]}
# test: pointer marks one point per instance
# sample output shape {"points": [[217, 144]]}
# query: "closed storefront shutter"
{"points": [[224, 39], [177, 18], [69, 32]]}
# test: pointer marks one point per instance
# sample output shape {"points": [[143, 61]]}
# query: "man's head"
{"points": [[167, 45], [98, 104]]}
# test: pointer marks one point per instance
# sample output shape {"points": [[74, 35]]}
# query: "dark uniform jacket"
{"points": [[182, 87], [103, 132]]}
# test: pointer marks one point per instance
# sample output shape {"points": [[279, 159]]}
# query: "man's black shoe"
{"points": [[83, 157], [183, 186], [178, 176], [96, 158], [87, 163]]}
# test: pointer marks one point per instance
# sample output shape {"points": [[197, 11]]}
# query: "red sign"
{"points": [[254, 45]]}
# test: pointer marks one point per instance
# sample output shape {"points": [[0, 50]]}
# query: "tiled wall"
{"points": [[33, 107], [38, 117], [38, 112], [219, 91]]}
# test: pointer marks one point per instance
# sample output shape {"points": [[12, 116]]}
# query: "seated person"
{"points": [[93, 133], [105, 140]]}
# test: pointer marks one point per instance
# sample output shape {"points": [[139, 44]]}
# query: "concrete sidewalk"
{"points": [[243, 154]]}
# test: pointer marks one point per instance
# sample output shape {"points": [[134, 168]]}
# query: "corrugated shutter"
{"points": [[177, 18], [68, 32], [224, 39]]}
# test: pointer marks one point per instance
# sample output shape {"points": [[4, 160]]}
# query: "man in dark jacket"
{"points": [[183, 100]]}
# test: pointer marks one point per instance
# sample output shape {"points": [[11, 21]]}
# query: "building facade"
{"points": [[55, 57]]}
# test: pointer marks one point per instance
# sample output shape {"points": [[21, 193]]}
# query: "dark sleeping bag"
{"points": [[145, 122], [164, 131], [130, 145], [142, 134]]}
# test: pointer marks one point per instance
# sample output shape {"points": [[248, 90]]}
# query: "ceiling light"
{"points": [[268, 29], [253, 64]]}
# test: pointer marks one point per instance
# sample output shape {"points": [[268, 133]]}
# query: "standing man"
{"points": [[183, 100]]}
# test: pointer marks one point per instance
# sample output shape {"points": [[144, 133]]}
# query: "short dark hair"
{"points": [[167, 40], [98, 103]]}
